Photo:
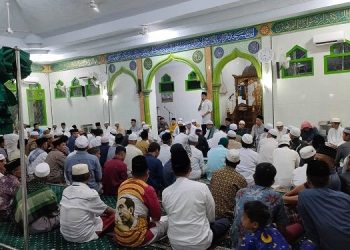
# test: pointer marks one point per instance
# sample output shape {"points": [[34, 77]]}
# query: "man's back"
{"points": [[325, 215], [164, 153], [155, 168], [285, 161], [114, 173], [342, 152], [131, 152], [266, 148], [216, 159]]}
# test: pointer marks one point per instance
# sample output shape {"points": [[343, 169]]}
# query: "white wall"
{"points": [[234, 67], [314, 98], [185, 103], [126, 103], [78, 110]]}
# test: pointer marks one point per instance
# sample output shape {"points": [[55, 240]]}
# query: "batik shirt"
{"points": [[268, 238], [266, 195], [8, 188]]}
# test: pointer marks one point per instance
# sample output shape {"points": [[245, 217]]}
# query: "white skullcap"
{"points": [[273, 132], [143, 123], [105, 139], [335, 120], [284, 140], [145, 126], [81, 142], [34, 133], [231, 134], [2, 157], [233, 126], [295, 131], [187, 122], [193, 138], [80, 169], [180, 119], [279, 124], [307, 152], [232, 155], [116, 122], [210, 123], [42, 170], [132, 137], [113, 131], [247, 139], [241, 122], [268, 126], [106, 123], [193, 120]]}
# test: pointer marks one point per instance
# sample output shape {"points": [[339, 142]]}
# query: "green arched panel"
{"points": [[112, 79], [217, 79]]}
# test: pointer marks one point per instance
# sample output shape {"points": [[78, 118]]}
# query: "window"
{"points": [[76, 90], [60, 90], [339, 59], [192, 82], [91, 88], [36, 104], [166, 85], [300, 64]]}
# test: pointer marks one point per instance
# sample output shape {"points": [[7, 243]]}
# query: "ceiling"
{"points": [[70, 28]]}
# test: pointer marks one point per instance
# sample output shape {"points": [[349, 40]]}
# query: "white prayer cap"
{"points": [[241, 122], [145, 126], [247, 139], [210, 123], [307, 152], [279, 124], [180, 123], [335, 120], [116, 122], [295, 131], [143, 123], [34, 133], [42, 170], [106, 123], [231, 134], [2, 157], [132, 137], [187, 122], [105, 139], [232, 155], [233, 126], [79, 169], [113, 131], [284, 140], [81, 142], [180, 119], [193, 138], [193, 120], [273, 132], [268, 126]]}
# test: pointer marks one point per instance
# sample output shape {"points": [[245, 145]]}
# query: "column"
{"points": [[141, 94], [147, 112], [216, 105]]}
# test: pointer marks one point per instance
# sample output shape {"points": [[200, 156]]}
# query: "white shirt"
{"points": [[280, 133], [95, 142], [205, 107], [249, 160], [131, 152], [81, 207], [164, 153], [213, 142], [189, 214], [197, 163], [266, 148], [39, 159], [285, 161], [181, 138], [299, 175], [335, 136]]}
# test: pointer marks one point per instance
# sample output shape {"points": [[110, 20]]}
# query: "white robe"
{"points": [[335, 136]]}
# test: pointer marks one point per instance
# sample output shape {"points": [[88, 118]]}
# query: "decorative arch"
{"points": [[217, 79], [167, 60], [122, 70]]}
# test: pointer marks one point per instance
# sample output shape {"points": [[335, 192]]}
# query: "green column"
{"points": [[216, 105], [147, 107]]}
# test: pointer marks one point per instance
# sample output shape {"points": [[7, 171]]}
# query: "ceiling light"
{"points": [[93, 5], [45, 58], [161, 35]]}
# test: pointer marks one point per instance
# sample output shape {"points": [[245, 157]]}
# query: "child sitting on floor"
{"points": [[261, 236]]}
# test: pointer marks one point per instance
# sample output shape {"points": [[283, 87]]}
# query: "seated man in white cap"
{"points": [[249, 159], [81, 208], [210, 130], [38, 155], [107, 128], [299, 174], [285, 161], [241, 128], [31, 145], [281, 130], [43, 209], [335, 133], [82, 156], [181, 138], [224, 185], [213, 142], [131, 152], [196, 157], [295, 140], [267, 146], [164, 154], [232, 143], [119, 128]]}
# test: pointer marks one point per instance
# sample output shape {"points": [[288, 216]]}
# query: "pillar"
{"points": [[141, 94]]}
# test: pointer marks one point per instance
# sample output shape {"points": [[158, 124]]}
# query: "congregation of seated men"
{"points": [[268, 186]]}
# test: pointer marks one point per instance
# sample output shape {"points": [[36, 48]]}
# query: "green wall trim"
{"points": [[307, 59], [325, 60], [79, 63], [121, 70], [217, 80]]}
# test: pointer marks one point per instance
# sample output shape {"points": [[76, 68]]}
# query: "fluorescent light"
{"points": [[31, 80], [44, 58], [161, 35]]}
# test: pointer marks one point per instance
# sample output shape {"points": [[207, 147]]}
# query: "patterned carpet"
{"points": [[9, 235]]}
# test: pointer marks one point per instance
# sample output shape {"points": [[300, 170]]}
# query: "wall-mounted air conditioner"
{"points": [[329, 38]]}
